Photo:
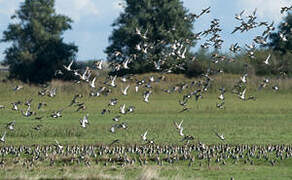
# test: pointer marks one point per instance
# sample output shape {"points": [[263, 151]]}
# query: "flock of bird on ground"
{"points": [[114, 153], [199, 154]]}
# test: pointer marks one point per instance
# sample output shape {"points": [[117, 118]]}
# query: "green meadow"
{"points": [[265, 120]]}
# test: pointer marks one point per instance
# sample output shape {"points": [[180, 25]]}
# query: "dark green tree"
{"points": [[282, 40], [281, 43], [146, 31], [37, 49]]}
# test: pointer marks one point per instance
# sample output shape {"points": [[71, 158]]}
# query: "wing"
{"points": [[267, 59], [145, 134], [175, 124], [181, 131], [243, 93], [70, 64], [181, 123]]}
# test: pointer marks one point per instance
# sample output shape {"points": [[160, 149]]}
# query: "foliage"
{"points": [[163, 23], [279, 63], [37, 49], [195, 69], [281, 44], [199, 65], [277, 39]]}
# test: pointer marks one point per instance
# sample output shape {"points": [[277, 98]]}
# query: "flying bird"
{"points": [[37, 127], [10, 125], [68, 68], [146, 96], [112, 129], [239, 16], [220, 136], [113, 84], [143, 136], [17, 87], [242, 95], [98, 65], [84, 121], [244, 78], [124, 91], [3, 137], [92, 83], [178, 126], [181, 132], [58, 145], [123, 109], [267, 59], [116, 118]]}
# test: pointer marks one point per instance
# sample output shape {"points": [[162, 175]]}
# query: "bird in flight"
{"points": [[17, 87], [116, 118], [239, 16], [112, 84], [3, 137], [123, 109], [98, 65], [27, 113], [15, 106], [178, 126], [244, 78], [84, 121], [124, 91], [68, 68], [143, 136], [92, 83], [286, 9], [242, 94], [112, 130], [220, 136], [181, 132], [37, 127], [58, 145], [267, 59], [10, 125], [146, 96]]}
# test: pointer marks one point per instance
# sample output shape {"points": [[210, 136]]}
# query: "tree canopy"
{"points": [[281, 44], [147, 32], [37, 49], [282, 40]]}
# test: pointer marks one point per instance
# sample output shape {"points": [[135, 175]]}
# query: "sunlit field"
{"points": [[146, 90], [265, 121]]}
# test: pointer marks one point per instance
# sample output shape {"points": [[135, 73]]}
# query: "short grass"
{"points": [[150, 172], [267, 120]]}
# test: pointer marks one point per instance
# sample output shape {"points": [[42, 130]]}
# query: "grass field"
{"points": [[267, 120]]}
